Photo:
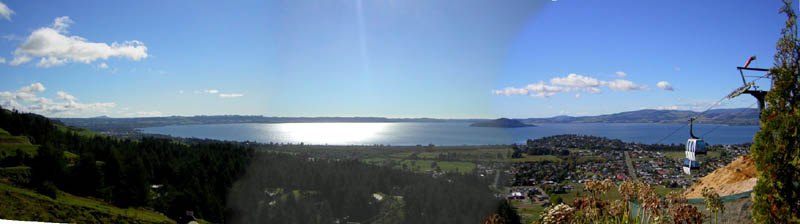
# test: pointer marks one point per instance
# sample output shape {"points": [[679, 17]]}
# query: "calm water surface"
{"points": [[447, 133]]}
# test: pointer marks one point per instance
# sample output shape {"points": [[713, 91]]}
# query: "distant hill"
{"points": [[108, 125], [739, 116], [501, 123]]}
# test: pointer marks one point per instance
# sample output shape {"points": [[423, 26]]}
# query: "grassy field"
{"points": [[9, 145], [422, 165], [463, 153], [17, 174], [530, 213], [80, 132], [537, 158], [7, 138], [682, 154], [8, 150], [473, 154], [24, 204]]}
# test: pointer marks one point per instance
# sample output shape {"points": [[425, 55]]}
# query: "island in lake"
{"points": [[501, 123]]}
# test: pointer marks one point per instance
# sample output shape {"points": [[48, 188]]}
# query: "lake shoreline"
{"points": [[446, 134]]}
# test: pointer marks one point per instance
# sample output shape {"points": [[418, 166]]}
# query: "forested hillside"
{"points": [[163, 174]]}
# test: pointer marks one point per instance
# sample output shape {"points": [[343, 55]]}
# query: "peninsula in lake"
{"points": [[501, 123]]}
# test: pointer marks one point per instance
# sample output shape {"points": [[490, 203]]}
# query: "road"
{"points": [[629, 163]]}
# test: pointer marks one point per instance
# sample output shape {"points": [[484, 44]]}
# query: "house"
{"points": [[515, 195]]}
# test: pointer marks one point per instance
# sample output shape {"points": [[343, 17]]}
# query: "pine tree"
{"points": [[776, 150], [87, 177], [47, 169]]}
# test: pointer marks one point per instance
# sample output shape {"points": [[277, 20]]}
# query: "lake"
{"points": [[448, 133]]}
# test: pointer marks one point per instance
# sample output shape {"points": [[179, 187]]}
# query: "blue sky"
{"points": [[414, 58]]}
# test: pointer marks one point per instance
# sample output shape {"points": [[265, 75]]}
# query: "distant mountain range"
{"points": [[109, 124], [741, 116]]}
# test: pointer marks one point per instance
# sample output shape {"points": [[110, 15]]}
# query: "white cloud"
{"points": [[149, 114], [543, 94], [577, 95], [625, 85], [18, 60], [180, 91], [51, 61], [535, 90], [26, 99], [508, 91], [677, 69], [143, 114], [665, 86], [570, 83], [2, 60], [62, 23], [697, 105], [33, 88], [230, 95], [541, 87], [673, 107], [575, 80], [65, 96], [5, 11], [700, 105], [103, 65], [11, 37], [622, 74], [55, 48]]}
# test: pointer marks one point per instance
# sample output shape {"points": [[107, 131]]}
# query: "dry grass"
{"points": [[738, 176]]}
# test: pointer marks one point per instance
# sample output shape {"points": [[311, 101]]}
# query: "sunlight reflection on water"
{"points": [[329, 133]]}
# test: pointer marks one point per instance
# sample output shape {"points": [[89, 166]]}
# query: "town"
{"points": [[538, 184]]}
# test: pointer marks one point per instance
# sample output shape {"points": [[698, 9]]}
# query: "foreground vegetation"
{"points": [[168, 176], [638, 203], [776, 150], [24, 204]]}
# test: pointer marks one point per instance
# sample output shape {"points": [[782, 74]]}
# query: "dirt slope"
{"points": [[738, 176]]}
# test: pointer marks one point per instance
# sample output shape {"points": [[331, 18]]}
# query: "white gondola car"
{"points": [[694, 146], [691, 164]]}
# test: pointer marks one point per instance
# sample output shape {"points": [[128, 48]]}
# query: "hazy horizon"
{"points": [[437, 118]]}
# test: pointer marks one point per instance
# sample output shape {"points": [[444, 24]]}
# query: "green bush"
{"points": [[48, 189]]}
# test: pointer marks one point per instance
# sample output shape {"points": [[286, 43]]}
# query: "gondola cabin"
{"points": [[694, 146], [689, 165]]}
